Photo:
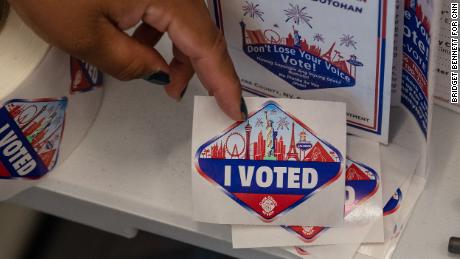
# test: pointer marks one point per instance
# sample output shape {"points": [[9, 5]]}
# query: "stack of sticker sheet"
{"points": [[335, 169]]}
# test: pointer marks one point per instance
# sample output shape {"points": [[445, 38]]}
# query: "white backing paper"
{"points": [[359, 221], [396, 221], [325, 252], [398, 165], [234, 197]]}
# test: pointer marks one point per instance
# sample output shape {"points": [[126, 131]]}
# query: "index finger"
{"points": [[192, 30]]}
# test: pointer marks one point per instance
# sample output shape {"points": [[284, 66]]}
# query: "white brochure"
{"points": [[311, 49]]}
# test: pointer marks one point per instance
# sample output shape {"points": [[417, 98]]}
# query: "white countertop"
{"points": [[133, 172]]}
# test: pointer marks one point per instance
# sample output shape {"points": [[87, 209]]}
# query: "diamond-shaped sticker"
{"points": [[393, 204], [84, 77], [361, 183], [30, 134], [270, 163]]}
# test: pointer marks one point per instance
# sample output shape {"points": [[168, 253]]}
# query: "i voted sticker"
{"points": [[270, 163], [361, 183], [84, 77], [393, 204], [30, 137]]}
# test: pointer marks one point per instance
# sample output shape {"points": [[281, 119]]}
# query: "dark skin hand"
{"points": [[93, 30]]}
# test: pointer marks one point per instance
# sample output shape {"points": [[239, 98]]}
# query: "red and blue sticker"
{"points": [[393, 204], [30, 137], [84, 77], [270, 163], [361, 183]]}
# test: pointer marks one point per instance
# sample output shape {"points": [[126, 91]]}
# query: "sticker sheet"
{"points": [[398, 165], [416, 56], [363, 209], [392, 217], [397, 212], [285, 165], [314, 49], [84, 76], [30, 137], [346, 251]]}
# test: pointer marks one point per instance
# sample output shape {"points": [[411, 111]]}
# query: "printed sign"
{"points": [[314, 49], [258, 163], [30, 137], [291, 55], [361, 183], [84, 77], [416, 48]]}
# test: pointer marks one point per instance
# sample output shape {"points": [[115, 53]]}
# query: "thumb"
{"points": [[123, 57]]}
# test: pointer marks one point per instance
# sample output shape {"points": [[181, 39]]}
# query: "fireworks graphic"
{"points": [[259, 122], [252, 10], [283, 123], [348, 41], [298, 15], [318, 37]]}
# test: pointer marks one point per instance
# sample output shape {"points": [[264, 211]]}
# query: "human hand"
{"points": [[93, 30]]}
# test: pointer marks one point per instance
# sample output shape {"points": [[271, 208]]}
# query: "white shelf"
{"points": [[133, 172]]}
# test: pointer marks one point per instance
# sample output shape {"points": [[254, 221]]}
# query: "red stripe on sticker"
{"points": [[3, 171]]}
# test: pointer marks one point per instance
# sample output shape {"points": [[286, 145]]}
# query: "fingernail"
{"points": [[244, 109], [183, 92], [159, 78]]}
